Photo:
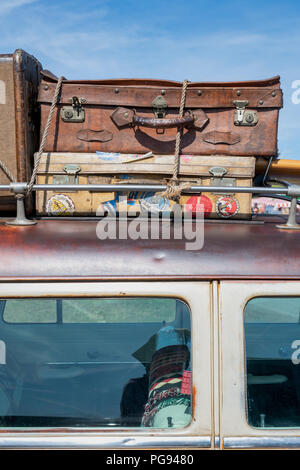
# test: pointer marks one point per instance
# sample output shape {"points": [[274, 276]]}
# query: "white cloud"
{"points": [[7, 6]]}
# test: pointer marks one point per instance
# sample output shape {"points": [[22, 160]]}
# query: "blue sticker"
{"points": [[155, 203], [110, 206], [108, 156]]}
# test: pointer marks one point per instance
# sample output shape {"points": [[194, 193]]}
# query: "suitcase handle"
{"points": [[163, 123], [125, 117]]}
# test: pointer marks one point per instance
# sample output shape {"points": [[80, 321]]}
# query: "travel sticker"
{"points": [[155, 203], [108, 156], [199, 204], [60, 204], [186, 158], [227, 206], [109, 207]]}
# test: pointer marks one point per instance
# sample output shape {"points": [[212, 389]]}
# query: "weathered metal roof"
{"points": [[61, 249]]}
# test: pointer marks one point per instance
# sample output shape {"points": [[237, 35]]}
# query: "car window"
{"points": [[272, 338], [29, 311], [116, 310], [87, 362]]}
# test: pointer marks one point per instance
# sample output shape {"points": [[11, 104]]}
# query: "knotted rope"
{"points": [[174, 187]]}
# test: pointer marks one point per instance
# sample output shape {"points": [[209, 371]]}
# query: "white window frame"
{"points": [[197, 295], [235, 432]]}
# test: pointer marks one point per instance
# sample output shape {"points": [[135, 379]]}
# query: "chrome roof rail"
{"points": [[18, 189]]}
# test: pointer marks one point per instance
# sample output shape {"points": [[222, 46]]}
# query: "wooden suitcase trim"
{"points": [[91, 164]]}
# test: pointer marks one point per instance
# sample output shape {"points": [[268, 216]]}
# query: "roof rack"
{"points": [[20, 189]]}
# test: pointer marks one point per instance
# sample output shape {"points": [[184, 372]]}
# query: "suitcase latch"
{"points": [[243, 117], [71, 176], [218, 179], [72, 171], [159, 105], [74, 113]]}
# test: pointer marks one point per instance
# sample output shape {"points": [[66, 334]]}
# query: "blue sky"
{"points": [[215, 40]]}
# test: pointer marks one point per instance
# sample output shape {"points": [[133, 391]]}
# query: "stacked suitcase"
{"points": [[19, 119], [124, 132]]}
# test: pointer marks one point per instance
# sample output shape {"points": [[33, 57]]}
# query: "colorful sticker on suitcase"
{"points": [[122, 157], [108, 156], [227, 206], [60, 205], [155, 203], [109, 207], [199, 204], [186, 158]]}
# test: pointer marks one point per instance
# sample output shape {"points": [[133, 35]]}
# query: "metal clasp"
{"points": [[71, 176], [159, 105], [243, 117], [74, 113], [241, 107], [72, 171], [218, 173]]}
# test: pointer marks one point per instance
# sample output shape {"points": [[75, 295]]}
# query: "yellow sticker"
{"points": [[61, 205]]}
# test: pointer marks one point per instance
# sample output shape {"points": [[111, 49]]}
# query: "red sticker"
{"points": [[186, 158], [227, 206], [186, 383], [199, 204]]}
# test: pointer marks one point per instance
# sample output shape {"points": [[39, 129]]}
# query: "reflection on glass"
{"points": [[36, 311], [99, 362]]}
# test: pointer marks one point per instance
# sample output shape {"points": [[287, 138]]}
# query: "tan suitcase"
{"points": [[101, 168], [19, 119]]}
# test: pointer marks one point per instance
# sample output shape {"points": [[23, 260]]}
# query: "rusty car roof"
{"points": [[70, 249]]}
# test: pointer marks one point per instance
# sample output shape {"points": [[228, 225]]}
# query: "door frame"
{"points": [[235, 432]]}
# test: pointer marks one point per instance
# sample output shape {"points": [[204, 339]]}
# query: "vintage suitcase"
{"points": [[19, 118], [138, 116], [103, 168]]}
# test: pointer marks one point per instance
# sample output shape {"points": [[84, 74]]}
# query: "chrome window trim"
{"points": [[236, 433], [84, 441], [265, 442]]}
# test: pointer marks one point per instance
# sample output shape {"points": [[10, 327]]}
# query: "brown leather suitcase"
{"points": [[19, 119], [138, 116], [84, 168]]}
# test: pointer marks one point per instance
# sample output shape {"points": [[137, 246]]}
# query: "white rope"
{"points": [[45, 135]]}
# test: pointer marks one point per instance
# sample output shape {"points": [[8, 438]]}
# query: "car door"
{"points": [[85, 358], [259, 372]]}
